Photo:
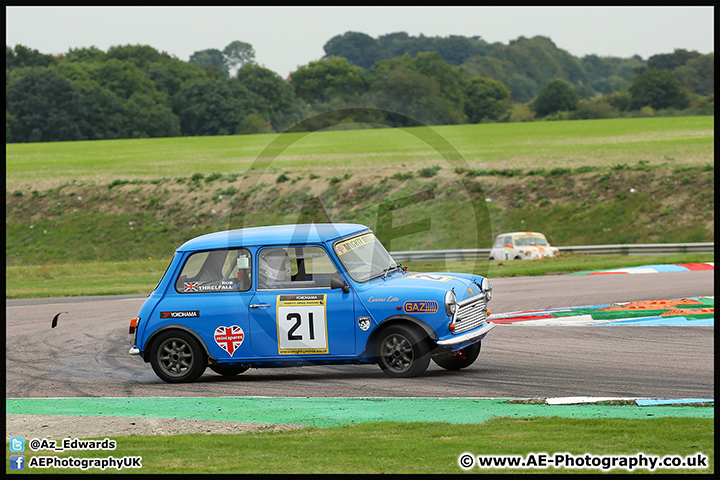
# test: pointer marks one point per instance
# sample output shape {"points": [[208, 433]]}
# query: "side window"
{"points": [[294, 267], [499, 242], [216, 271]]}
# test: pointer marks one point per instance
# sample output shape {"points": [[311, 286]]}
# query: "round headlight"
{"points": [[486, 287], [450, 303]]}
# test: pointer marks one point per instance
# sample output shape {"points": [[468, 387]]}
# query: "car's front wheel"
{"points": [[177, 357], [402, 352], [460, 359]]}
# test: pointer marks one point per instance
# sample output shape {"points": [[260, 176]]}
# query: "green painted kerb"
{"points": [[327, 412]]}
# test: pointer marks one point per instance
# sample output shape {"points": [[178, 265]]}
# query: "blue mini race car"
{"points": [[315, 294]]}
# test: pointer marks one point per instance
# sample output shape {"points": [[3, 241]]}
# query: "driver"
{"points": [[274, 267]]}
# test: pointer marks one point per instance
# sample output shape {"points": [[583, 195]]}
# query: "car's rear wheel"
{"points": [[177, 357], [402, 352], [228, 371], [460, 359]]}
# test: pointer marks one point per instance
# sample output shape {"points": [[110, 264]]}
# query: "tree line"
{"points": [[134, 91], [525, 65]]}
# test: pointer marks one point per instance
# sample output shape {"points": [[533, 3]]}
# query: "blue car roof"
{"points": [[272, 235]]}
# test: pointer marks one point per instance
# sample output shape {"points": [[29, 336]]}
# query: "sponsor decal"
{"points": [[183, 314], [301, 299], [229, 338], [423, 306], [388, 299], [344, 247], [364, 323], [302, 324]]}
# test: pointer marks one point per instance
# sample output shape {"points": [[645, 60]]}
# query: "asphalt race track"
{"points": [[86, 355]]}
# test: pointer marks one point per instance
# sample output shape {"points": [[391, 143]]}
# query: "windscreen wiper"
{"points": [[397, 266]]}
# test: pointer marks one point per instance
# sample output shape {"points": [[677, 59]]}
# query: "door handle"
{"points": [[257, 305]]}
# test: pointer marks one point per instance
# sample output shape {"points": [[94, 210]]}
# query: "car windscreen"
{"points": [[531, 240], [364, 257]]}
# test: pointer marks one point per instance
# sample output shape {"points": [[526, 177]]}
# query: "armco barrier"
{"points": [[620, 249]]}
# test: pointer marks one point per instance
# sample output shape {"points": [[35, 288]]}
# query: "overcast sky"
{"points": [[287, 37]]}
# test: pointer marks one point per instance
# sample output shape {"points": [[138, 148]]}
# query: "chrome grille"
{"points": [[470, 314]]}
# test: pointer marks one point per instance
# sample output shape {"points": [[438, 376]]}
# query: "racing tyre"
{"points": [[460, 359], [402, 352], [176, 357], [228, 371]]}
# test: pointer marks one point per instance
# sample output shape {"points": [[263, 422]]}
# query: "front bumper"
{"points": [[466, 337]]}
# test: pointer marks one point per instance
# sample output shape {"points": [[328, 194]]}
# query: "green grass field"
{"points": [[403, 448], [679, 140]]}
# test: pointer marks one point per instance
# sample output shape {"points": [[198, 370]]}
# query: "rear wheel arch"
{"points": [[182, 328]]}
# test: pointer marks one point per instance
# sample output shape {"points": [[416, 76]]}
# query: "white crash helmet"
{"points": [[274, 265]]}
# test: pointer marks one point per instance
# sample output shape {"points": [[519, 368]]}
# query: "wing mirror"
{"points": [[338, 282]]}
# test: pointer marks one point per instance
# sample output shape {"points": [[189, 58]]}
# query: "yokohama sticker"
{"points": [[229, 338], [183, 314]]}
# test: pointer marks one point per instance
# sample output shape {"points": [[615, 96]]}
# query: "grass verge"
{"points": [[559, 265], [394, 447]]}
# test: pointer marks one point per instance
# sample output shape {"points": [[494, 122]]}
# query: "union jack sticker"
{"points": [[191, 286], [229, 338]]}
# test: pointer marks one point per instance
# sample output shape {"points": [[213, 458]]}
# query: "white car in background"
{"points": [[522, 246]]}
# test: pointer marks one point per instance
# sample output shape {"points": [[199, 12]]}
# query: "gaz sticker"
{"points": [[229, 338], [425, 306], [302, 324]]}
